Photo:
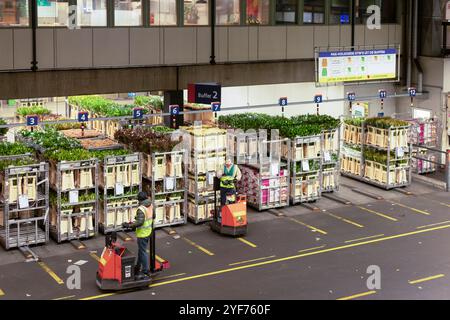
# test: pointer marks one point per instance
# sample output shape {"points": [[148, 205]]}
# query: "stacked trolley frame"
{"points": [[207, 155], [331, 149], [120, 183], [165, 180], [74, 213], [265, 172], [424, 136], [387, 175], [24, 204], [306, 168]]}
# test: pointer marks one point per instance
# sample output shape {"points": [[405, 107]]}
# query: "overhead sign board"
{"points": [[204, 93], [357, 66]]}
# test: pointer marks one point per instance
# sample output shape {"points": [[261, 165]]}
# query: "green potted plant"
{"points": [[191, 13]]}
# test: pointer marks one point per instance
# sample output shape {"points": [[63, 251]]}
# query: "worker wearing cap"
{"points": [[144, 227], [227, 176]]}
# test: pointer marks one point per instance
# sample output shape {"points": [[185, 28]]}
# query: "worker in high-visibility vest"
{"points": [[144, 228], [228, 176]]}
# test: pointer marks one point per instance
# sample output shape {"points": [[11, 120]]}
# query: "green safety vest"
{"points": [[227, 180], [145, 230]]}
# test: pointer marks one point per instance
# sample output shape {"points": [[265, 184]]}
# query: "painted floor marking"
{"points": [[308, 226], [307, 254], [253, 260], [377, 213], [426, 279], [365, 238], [50, 272], [359, 295], [247, 242], [209, 253]]}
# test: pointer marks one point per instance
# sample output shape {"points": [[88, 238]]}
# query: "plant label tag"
{"points": [[210, 178], [73, 196], [119, 189], [170, 183], [400, 152], [274, 169], [23, 202], [327, 156], [305, 165]]}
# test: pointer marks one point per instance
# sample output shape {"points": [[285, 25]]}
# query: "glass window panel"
{"points": [[127, 12], [92, 12], [258, 12], [163, 12], [340, 11], [196, 12], [13, 13], [227, 12], [53, 13], [286, 11], [388, 10], [314, 11]]}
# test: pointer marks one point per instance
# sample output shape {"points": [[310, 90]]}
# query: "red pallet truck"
{"points": [[232, 220], [116, 267]]}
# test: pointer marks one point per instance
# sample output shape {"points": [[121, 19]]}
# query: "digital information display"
{"points": [[354, 66]]}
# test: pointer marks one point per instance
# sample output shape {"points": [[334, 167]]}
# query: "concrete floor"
{"points": [[300, 255]]}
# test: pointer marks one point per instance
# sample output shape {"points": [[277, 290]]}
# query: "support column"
{"points": [[173, 98]]}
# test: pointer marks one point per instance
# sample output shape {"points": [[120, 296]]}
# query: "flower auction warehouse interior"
{"points": [[339, 128]]}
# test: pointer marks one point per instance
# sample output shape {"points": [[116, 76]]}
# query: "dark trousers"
{"points": [[223, 194], [143, 259]]}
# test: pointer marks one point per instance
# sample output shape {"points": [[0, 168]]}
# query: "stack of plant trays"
{"points": [[330, 160], [24, 203], [74, 210], [380, 156], [120, 183], [265, 173], [165, 180], [207, 147], [424, 135], [306, 168]]}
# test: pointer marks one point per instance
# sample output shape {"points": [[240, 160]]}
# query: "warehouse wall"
{"points": [[61, 48]]}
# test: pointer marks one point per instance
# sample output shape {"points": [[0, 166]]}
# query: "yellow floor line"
{"points": [[2, 293], [344, 220], [434, 224], [371, 237], [308, 226], [171, 276], [160, 260], [426, 279], [359, 295], [410, 208], [377, 213], [64, 298], [95, 256], [253, 260], [247, 242], [198, 247], [50, 272], [437, 201], [100, 296], [311, 249], [307, 254]]}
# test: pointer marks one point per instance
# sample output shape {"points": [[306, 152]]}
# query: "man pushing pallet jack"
{"points": [[117, 269]]}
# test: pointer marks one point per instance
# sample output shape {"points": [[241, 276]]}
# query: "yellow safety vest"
{"points": [[227, 180], [145, 230]]}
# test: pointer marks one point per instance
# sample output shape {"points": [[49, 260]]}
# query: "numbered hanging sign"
{"points": [[382, 94], [318, 98], [138, 113], [174, 110], [412, 92], [283, 101], [351, 96], [216, 106], [83, 116], [32, 121]]}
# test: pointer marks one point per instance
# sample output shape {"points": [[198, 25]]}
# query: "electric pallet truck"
{"points": [[232, 218], [116, 268]]}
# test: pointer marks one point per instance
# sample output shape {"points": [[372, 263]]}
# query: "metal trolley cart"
{"points": [[74, 202], [331, 149], [120, 182], [24, 204], [165, 180], [306, 168]]}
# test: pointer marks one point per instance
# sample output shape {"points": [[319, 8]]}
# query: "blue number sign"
{"points": [[215, 106], [83, 116], [412, 92], [318, 98], [138, 113], [32, 121], [174, 110], [283, 102], [382, 94], [351, 96]]}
